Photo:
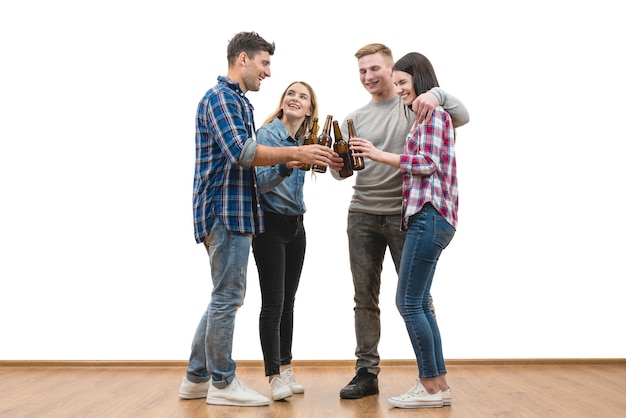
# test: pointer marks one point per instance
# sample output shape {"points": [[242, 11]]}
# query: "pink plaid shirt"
{"points": [[428, 165]]}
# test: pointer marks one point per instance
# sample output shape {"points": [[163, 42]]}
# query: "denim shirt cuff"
{"points": [[283, 170]]}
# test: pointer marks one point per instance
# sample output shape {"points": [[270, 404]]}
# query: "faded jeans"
{"points": [[368, 238], [428, 235], [213, 341]]}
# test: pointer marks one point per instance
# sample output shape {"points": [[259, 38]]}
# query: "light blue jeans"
{"points": [[428, 235], [213, 341]]}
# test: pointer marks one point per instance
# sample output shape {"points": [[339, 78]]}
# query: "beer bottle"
{"points": [[324, 139], [341, 147], [310, 138], [357, 161]]}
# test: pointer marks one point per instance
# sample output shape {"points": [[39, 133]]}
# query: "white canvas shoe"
{"points": [[280, 389], [417, 397], [191, 390], [236, 394], [290, 379], [446, 395]]}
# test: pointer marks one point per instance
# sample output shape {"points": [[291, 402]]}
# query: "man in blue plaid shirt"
{"points": [[227, 213]]}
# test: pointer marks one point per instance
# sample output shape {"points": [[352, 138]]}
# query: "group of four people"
{"points": [[248, 193]]}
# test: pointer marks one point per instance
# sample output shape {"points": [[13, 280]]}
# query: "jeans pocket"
{"points": [[443, 233], [217, 235]]}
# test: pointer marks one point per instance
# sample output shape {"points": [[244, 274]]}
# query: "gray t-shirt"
{"points": [[378, 187]]}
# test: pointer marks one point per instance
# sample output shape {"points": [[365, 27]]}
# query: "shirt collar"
{"points": [[235, 87]]}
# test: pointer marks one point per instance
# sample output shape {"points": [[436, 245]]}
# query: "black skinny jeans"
{"points": [[279, 255]]}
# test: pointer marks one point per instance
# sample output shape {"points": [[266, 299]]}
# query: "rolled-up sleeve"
{"points": [[247, 153]]}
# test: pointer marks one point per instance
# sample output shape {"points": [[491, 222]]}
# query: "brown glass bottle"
{"points": [[341, 147], [324, 139], [358, 163], [310, 138]]}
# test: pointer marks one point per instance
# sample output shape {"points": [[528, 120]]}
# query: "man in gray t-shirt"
{"points": [[374, 217]]}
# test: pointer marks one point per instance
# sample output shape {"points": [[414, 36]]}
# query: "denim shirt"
{"points": [[281, 189]]}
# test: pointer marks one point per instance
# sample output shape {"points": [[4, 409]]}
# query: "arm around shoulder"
{"points": [[457, 110]]}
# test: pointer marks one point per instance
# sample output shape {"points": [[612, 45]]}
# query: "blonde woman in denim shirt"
{"points": [[279, 251]]}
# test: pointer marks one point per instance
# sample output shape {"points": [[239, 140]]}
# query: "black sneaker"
{"points": [[363, 384]]}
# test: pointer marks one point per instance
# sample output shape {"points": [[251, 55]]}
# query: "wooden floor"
{"points": [[584, 388]]}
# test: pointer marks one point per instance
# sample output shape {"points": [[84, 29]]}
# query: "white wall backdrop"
{"points": [[97, 102]]}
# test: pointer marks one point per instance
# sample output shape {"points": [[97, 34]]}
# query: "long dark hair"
{"points": [[420, 68]]}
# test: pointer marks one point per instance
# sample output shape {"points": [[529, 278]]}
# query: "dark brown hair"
{"points": [[420, 68], [250, 43]]}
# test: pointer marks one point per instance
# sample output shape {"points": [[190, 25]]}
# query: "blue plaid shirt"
{"points": [[222, 188]]}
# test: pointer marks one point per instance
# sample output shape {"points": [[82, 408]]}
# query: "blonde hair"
{"points": [[370, 49], [308, 121]]}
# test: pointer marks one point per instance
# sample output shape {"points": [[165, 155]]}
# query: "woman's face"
{"points": [[404, 86], [297, 102]]}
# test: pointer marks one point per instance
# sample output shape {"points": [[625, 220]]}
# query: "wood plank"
{"points": [[501, 389]]}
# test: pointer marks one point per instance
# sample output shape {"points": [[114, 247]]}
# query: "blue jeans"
{"points": [[428, 235], [368, 239], [213, 341], [279, 254]]}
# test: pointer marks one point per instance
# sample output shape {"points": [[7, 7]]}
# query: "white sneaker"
{"points": [[280, 389], [446, 395], [417, 397], [236, 394], [191, 390], [290, 379]]}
